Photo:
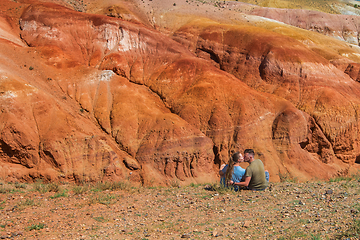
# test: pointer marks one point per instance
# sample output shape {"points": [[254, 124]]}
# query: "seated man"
{"points": [[232, 171], [255, 177]]}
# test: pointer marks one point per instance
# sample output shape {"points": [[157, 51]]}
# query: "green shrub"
{"points": [[1, 203], [100, 219], [77, 190], [58, 195], [174, 183], [286, 177], [20, 185], [103, 186], [36, 226], [41, 187], [106, 199], [28, 202], [340, 178], [4, 189]]}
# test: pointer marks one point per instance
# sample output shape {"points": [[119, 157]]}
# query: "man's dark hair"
{"points": [[249, 151]]}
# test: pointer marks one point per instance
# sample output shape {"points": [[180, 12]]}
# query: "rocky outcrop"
{"points": [[96, 125]]}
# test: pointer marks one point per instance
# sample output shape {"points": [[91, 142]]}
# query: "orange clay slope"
{"points": [[88, 97]]}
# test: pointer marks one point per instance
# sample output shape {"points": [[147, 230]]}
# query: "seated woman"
{"points": [[232, 171]]}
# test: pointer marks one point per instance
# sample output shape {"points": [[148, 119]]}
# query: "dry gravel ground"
{"points": [[287, 210]]}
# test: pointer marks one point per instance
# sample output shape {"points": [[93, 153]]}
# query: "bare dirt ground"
{"points": [[287, 210]]}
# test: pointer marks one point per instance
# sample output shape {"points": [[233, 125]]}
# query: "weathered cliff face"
{"points": [[275, 64], [80, 123], [94, 97]]}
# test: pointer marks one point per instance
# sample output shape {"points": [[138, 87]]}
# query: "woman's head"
{"points": [[237, 157]]}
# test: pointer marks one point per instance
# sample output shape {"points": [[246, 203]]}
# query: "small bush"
{"points": [[194, 185], [103, 199], [4, 189], [315, 237], [100, 219], [224, 190], [27, 203], [174, 183], [220, 189], [41, 187], [36, 226], [286, 177], [54, 187], [20, 185], [103, 186], [340, 178], [78, 190], [1, 203], [58, 195]]}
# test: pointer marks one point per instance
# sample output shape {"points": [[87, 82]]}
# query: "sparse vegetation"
{"points": [[353, 231], [41, 187], [286, 177], [102, 186], [20, 185], [29, 202], [80, 189], [287, 210], [100, 219], [175, 183], [105, 199], [1, 204], [36, 226], [340, 178], [58, 195], [4, 189]]}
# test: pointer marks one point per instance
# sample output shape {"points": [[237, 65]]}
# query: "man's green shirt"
{"points": [[257, 173]]}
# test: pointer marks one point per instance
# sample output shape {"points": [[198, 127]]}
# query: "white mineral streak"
{"points": [[106, 75], [126, 43], [130, 41], [8, 94], [111, 34]]}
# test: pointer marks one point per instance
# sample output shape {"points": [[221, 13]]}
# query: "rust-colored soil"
{"points": [[321, 210]]}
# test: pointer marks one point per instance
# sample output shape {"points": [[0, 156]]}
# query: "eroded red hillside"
{"points": [[88, 97]]}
